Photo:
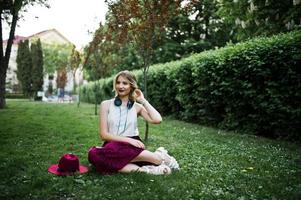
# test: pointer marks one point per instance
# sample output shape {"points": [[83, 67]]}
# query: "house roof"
{"points": [[46, 31], [18, 39]]}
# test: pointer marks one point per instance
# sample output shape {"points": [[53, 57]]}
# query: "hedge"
{"points": [[15, 96], [251, 87]]}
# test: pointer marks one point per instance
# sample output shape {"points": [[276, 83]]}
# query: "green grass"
{"points": [[214, 164]]}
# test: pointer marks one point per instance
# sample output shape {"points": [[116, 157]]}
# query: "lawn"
{"points": [[215, 164]]}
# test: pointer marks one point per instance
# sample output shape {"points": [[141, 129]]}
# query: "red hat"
{"points": [[68, 165]]}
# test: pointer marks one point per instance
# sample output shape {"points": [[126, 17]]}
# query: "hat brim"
{"points": [[54, 170]]}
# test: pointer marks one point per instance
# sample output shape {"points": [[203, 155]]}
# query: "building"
{"points": [[48, 37]]}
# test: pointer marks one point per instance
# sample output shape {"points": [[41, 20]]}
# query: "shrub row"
{"points": [[15, 96], [254, 87]]}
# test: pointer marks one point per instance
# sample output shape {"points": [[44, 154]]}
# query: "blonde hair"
{"points": [[131, 78]]}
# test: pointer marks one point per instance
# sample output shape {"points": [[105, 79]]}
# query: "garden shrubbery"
{"points": [[254, 87], [15, 96]]}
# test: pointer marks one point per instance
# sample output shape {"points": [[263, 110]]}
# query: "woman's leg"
{"points": [[147, 156], [129, 168], [150, 169]]}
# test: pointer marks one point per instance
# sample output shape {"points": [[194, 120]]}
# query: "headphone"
{"points": [[118, 102], [129, 105]]}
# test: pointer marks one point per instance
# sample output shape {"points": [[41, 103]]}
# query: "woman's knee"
{"points": [[92, 155]]}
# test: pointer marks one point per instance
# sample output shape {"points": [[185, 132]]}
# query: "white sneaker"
{"points": [[167, 159], [157, 170]]}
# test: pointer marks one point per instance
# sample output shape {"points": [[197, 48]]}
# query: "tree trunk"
{"points": [[95, 96], [5, 58], [78, 97], [2, 84], [146, 62], [78, 100], [74, 82], [95, 107], [145, 94]]}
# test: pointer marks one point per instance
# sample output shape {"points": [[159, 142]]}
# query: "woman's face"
{"points": [[122, 86]]}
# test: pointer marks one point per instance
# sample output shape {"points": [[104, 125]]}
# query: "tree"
{"points": [[140, 23], [37, 67], [194, 29], [57, 59], [250, 18], [56, 56], [24, 66], [75, 60], [11, 12], [61, 79], [100, 55]]}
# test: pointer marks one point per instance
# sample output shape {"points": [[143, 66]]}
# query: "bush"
{"points": [[97, 91], [15, 96], [252, 87]]}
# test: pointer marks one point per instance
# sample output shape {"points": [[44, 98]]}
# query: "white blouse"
{"points": [[122, 121]]}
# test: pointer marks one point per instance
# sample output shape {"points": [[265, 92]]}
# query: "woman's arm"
{"points": [[146, 110], [105, 135]]}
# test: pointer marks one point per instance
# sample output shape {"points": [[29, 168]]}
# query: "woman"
{"points": [[123, 148]]}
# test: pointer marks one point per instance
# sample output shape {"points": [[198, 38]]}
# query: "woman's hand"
{"points": [[136, 143], [139, 95]]}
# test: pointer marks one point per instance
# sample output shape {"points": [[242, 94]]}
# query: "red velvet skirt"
{"points": [[112, 156]]}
